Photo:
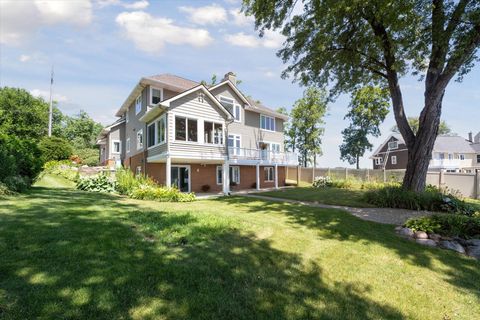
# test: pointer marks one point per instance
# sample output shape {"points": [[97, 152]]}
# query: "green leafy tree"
{"points": [[344, 44], [81, 130], [307, 124], [289, 137], [368, 109], [443, 127], [55, 148]]}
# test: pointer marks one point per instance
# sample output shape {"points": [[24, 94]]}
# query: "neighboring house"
{"points": [[110, 141], [197, 138], [450, 153]]}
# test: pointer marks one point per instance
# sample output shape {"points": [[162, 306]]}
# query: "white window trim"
{"points": [[139, 147], [186, 128], [151, 96], [119, 147], [378, 161], [140, 110], [270, 145], [235, 106], [157, 131], [392, 158], [273, 174], [260, 124], [154, 124], [460, 156], [396, 145], [216, 175], [128, 145], [233, 168]]}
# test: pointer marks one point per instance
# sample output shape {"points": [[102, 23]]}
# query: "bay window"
{"points": [[162, 129]]}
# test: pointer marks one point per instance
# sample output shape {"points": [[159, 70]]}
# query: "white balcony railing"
{"points": [[266, 156], [445, 163]]}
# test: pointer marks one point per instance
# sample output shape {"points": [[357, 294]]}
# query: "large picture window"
{"points": [[234, 142], [213, 132], [267, 123], [180, 129], [186, 129]]}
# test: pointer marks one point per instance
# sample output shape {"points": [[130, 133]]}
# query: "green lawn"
{"points": [[334, 196], [71, 254]]}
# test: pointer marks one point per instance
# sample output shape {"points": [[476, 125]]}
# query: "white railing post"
{"points": [[276, 176], [168, 172], [226, 177], [258, 176]]}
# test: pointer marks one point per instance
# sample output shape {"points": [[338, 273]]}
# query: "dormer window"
{"points": [[156, 95], [393, 145]]}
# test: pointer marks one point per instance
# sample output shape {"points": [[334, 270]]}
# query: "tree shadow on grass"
{"points": [[69, 259], [463, 272]]}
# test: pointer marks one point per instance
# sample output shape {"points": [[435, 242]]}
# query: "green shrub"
{"points": [[88, 156], [450, 225], [63, 168], [322, 182], [17, 183], [4, 190], [127, 181], [99, 183], [163, 194], [432, 199], [55, 148]]}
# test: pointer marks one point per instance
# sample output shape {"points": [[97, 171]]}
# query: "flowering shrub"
{"points": [[322, 182]]}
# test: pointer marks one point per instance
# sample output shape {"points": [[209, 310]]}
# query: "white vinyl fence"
{"points": [[467, 184]]}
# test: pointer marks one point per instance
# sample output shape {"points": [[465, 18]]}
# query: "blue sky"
{"points": [[100, 49]]}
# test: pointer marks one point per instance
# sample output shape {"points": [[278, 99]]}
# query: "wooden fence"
{"points": [[467, 184]]}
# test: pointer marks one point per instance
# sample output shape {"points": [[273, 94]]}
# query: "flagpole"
{"points": [[50, 113]]}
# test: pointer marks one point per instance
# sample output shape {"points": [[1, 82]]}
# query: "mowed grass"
{"points": [[77, 255], [333, 196], [54, 181]]}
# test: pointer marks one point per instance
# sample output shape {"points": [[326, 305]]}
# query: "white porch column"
{"points": [[258, 176], [226, 177], [168, 172], [276, 176]]}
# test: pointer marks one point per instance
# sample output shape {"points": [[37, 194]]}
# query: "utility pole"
{"points": [[50, 113]]}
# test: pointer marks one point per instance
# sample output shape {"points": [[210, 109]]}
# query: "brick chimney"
{"points": [[230, 76], [470, 136]]}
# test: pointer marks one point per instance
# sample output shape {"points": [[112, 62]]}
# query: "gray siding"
{"points": [[134, 125], [249, 126], [190, 107]]}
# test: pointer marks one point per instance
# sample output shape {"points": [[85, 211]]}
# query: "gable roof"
{"points": [[397, 137], [233, 87], [106, 130], [165, 104], [455, 144], [260, 108], [166, 80]]}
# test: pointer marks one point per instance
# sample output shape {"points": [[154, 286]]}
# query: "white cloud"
{"points": [[136, 25], [136, 5], [24, 58], [240, 19], [213, 14], [21, 19], [271, 39], [46, 95]]}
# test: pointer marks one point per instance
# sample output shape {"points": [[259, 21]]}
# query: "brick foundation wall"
{"points": [[157, 172], [204, 175]]}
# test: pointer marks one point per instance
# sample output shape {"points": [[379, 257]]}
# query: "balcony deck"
{"points": [[253, 156]]}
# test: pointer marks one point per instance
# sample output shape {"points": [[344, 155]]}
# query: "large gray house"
{"points": [[451, 153], [197, 138]]}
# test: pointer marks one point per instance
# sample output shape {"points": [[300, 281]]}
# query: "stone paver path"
{"points": [[380, 215]]}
